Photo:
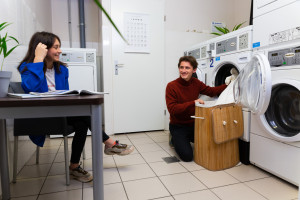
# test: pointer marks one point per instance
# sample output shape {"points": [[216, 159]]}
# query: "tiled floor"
{"points": [[144, 175]]}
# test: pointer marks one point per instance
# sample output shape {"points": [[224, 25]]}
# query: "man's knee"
{"points": [[186, 157]]}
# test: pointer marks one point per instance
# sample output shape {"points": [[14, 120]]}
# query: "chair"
{"points": [[40, 126]]}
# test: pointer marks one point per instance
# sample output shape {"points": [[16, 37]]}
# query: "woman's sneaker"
{"points": [[119, 149], [81, 175]]}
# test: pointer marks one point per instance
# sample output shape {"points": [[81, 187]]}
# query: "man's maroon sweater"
{"points": [[180, 97]]}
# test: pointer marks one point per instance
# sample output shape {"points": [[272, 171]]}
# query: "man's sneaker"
{"points": [[119, 149], [81, 175]]}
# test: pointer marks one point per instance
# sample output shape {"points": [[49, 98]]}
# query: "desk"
{"points": [[89, 105]]}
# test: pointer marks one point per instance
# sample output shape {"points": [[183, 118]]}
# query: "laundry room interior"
{"points": [[222, 76]]}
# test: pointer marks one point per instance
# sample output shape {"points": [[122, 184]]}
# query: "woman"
{"points": [[41, 71]]}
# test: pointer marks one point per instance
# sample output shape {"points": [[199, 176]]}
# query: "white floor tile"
{"points": [[65, 195], [25, 198], [53, 142], [165, 198], [49, 149], [132, 159], [145, 189], [58, 184], [154, 156], [182, 183], [147, 147], [237, 192], [191, 166], [34, 171], [136, 135], [134, 177], [163, 168], [214, 178], [161, 138], [44, 159], [111, 175], [111, 192], [140, 141], [200, 195], [246, 173], [274, 188], [57, 169], [134, 172], [26, 187]]}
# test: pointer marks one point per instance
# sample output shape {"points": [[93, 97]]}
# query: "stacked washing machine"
{"points": [[275, 134], [233, 50]]}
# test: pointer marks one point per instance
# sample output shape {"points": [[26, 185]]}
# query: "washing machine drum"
{"points": [[223, 73], [283, 113]]}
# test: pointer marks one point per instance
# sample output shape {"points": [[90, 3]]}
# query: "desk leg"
{"points": [[4, 161], [97, 152]]}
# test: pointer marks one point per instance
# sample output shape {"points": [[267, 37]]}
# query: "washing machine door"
{"points": [[282, 118], [253, 86]]}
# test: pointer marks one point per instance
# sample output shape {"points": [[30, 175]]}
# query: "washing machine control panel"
{"points": [[286, 57], [227, 45], [195, 53]]}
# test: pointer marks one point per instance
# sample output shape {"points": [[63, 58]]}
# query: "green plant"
{"points": [[109, 18], [3, 43], [225, 30]]}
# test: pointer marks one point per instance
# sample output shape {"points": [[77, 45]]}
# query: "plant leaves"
{"points": [[3, 25], [109, 18], [220, 29], [226, 30], [214, 33], [11, 50], [236, 27], [14, 39]]}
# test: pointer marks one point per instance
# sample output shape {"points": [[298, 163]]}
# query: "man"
{"points": [[181, 96]]}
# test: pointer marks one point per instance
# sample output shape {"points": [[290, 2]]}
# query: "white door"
{"points": [[136, 99], [252, 88]]}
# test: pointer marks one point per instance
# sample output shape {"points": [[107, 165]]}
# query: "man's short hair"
{"points": [[189, 59]]}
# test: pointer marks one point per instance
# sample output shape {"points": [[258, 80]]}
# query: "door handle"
{"points": [[117, 66]]}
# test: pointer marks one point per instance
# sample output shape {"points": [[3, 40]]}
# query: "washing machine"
{"points": [[275, 134], [232, 50]]}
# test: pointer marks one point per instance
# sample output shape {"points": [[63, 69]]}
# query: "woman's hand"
{"points": [[199, 101], [40, 53]]}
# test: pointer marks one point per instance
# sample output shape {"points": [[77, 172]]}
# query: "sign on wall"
{"points": [[137, 32]]}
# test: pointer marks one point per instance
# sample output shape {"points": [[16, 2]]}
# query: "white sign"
{"points": [[218, 24]]}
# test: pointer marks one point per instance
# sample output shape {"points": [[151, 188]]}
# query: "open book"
{"points": [[55, 93]]}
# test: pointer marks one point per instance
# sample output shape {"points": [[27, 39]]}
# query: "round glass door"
{"points": [[283, 113], [252, 88]]}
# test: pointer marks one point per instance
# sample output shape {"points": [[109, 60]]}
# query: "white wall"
{"points": [[61, 28], [27, 17]]}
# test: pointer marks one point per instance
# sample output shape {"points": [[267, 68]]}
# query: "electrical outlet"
{"points": [[243, 41]]}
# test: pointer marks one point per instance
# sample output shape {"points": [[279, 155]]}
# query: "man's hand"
{"points": [[199, 101], [40, 53]]}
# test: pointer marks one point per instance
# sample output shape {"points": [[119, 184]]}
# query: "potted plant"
{"points": [[4, 52]]}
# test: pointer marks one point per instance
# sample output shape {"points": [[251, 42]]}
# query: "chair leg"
{"points": [[15, 161], [37, 155], [67, 160], [83, 153]]}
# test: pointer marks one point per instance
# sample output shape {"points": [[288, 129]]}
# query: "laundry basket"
{"points": [[217, 130]]}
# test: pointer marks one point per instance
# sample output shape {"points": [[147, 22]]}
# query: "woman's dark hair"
{"points": [[189, 59], [45, 38]]}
